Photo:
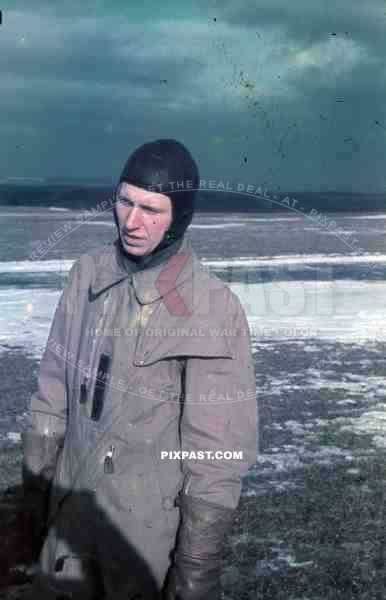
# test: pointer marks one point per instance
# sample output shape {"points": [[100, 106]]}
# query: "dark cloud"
{"points": [[296, 88], [311, 21]]}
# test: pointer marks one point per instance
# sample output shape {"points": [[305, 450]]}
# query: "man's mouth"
{"points": [[133, 237]]}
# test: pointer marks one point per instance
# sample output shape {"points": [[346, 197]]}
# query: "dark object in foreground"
{"points": [[16, 533]]}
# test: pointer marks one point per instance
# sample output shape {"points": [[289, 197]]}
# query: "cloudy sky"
{"points": [[289, 95]]}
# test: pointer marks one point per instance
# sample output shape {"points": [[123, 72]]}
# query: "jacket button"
{"points": [[167, 503]]}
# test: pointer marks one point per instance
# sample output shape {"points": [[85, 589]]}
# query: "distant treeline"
{"points": [[84, 197]]}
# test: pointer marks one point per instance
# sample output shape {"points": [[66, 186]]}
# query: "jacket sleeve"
{"points": [[220, 415], [46, 418]]}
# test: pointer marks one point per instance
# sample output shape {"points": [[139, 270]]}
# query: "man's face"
{"points": [[143, 217]]}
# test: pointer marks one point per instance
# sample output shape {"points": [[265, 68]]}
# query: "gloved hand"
{"points": [[195, 571], [34, 515], [39, 462]]}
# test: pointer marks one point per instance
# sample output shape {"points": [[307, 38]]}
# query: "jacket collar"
{"points": [[149, 284]]}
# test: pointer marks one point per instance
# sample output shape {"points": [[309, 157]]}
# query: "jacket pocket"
{"points": [[131, 485], [207, 346], [159, 381]]}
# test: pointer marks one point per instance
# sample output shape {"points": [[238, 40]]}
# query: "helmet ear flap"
{"points": [[115, 216]]}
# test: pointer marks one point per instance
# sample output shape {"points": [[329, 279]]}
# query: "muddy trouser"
{"points": [[89, 556]]}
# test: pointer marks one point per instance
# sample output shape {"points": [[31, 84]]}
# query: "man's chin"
{"points": [[135, 248]]}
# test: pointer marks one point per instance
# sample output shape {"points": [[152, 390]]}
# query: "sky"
{"points": [[285, 95]]}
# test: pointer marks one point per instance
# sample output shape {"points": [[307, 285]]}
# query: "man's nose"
{"points": [[134, 218]]}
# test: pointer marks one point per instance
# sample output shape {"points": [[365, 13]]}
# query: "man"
{"points": [[124, 522]]}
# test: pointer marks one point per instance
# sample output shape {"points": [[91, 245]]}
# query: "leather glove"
{"points": [[35, 512], [38, 468], [195, 571]]}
